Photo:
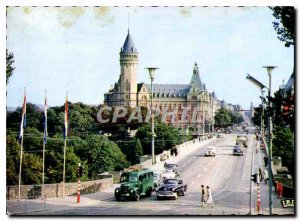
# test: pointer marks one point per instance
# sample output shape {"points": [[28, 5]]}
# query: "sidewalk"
{"points": [[28, 207], [277, 208]]}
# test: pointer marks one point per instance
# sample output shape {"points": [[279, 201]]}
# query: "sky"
{"points": [[75, 50]]}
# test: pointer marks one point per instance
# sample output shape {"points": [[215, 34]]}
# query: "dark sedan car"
{"points": [[171, 189], [237, 151]]}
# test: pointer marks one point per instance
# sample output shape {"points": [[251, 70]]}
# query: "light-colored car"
{"points": [[157, 178], [169, 174], [210, 151]]}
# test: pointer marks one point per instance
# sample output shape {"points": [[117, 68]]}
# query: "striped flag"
{"points": [[23, 121], [66, 118], [45, 119]]}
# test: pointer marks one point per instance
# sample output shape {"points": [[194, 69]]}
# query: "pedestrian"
{"points": [[260, 174], [266, 177], [209, 200], [203, 196], [266, 161], [175, 151]]}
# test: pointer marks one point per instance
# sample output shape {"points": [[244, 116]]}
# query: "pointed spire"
{"points": [[196, 78], [128, 47]]}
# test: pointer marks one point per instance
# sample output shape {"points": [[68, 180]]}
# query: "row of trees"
{"points": [[96, 152], [225, 117]]}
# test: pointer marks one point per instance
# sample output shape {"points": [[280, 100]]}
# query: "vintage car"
{"points": [[157, 178], [210, 151], [237, 151], [135, 184], [173, 167], [242, 140], [168, 174], [171, 189]]}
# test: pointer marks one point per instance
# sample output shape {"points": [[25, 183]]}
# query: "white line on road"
{"points": [[199, 175], [204, 169]]}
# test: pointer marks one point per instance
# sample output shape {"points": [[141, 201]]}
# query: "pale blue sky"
{"points": [[77, 50]]}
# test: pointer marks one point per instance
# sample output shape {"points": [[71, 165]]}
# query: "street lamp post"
{"points": [[269, 70], [151, 71], [261, 86], [262, 114]]}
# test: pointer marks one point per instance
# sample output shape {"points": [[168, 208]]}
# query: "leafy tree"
{"points": [[283, 110], [256, 119], [223, 117], [12, 158], [9, 65], [285, 23], [166, 137], [104, 155], [283, 146]]}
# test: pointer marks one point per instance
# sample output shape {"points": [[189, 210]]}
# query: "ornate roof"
{"points": [[128, 47], [170, 90], [196, 78]]}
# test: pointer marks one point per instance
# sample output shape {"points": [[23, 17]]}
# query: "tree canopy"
{"points": [[284, 24]]}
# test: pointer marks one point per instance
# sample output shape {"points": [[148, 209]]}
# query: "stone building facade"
{"points": [[191, 97]]}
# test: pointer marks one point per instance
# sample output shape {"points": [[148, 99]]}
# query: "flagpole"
{"points": [[65, 142], [44, 145], [43, 178], [22, 135], [20, 170]]}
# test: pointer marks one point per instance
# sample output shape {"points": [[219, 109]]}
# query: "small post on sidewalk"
{"points": [[78, 191], [258, 198]]}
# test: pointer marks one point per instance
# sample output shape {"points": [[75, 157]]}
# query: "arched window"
{"points": [[193, 98], [144, 101]]}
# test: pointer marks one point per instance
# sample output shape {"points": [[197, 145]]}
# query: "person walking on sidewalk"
{"points": [[266, 177], [209, 200], [203, 196]]}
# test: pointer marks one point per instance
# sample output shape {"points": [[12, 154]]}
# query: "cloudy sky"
{"points": [[76, 49]]}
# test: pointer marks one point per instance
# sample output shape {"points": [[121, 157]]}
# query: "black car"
{"points": [[173, 167], [176, 184], [237, 151]]}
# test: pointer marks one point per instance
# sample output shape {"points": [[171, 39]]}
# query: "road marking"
{"points": [[199, 175], [192, 183], [204, 169]]}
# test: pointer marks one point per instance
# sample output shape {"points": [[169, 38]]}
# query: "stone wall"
{"points": [[55, 190]]}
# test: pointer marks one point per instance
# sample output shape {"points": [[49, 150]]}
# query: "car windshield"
{"points": [[128, 178], [171, 166], [169, 181]]}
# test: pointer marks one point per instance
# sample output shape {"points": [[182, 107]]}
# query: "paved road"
{"points": [[227, 175]]}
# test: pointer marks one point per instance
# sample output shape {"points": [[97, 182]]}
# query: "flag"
{"points": [[45, 120], [66, 118], [23, 121]]}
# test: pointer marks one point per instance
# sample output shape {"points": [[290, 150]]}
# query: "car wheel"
{"points": [[182, 193], [118, 198], [149, 192], [158, 198]]}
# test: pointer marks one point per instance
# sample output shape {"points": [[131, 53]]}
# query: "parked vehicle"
{"points": [[210, 151], [157, 178], [173, 167], [237, 151], [135, 184], [171, 188], [168, 174], [242, 139]]}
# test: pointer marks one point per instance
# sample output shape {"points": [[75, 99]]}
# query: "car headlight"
{"points": [[117, 190], [131, 191]]}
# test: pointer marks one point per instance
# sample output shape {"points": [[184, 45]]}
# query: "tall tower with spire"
{"points": [[129, 72]]}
